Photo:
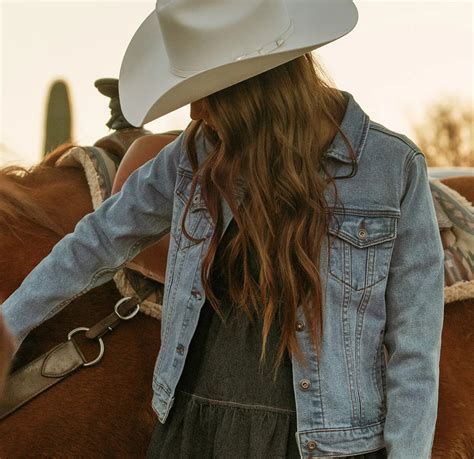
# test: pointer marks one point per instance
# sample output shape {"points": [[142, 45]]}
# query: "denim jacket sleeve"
{"points": [[102, 242], [415, 308]]}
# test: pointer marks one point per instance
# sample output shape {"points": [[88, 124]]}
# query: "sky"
{"points": [[401, 56]]}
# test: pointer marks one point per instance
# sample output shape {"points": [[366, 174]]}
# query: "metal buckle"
{"points": [[101, 342], [132, 314]]}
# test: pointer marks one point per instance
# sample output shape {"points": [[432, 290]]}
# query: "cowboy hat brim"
{"points": [[148, 88]]}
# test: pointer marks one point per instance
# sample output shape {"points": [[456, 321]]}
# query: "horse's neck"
{"points": [[28, 237]]}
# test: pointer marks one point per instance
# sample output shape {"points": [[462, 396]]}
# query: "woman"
{"points": [[304, 244]]}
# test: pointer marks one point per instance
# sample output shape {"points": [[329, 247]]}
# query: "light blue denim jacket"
{"points": [[383, 286]]}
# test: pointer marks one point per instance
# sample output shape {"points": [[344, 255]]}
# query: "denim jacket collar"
{"points": [[355, 126]]}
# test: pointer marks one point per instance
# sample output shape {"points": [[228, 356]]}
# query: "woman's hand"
{"points": [[6, 352]]}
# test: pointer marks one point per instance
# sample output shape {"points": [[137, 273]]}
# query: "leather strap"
{"points": [[39, 375], [58, 363], [122, 311]]}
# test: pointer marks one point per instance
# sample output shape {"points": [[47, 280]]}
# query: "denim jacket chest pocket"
{"points": [[360, 247], [197, 220]]}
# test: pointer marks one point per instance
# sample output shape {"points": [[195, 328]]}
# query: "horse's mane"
{"points": [[20, 192]]}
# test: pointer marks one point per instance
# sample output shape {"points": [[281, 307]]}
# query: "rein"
{"points": [[63, 360]]}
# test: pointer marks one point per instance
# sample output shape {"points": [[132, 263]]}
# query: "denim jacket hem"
{"points": [[341, 442]]}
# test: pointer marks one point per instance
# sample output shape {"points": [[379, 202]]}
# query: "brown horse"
{"points": [[100, 411], [105, 410]]}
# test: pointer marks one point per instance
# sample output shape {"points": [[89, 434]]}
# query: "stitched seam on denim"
{"points": [[357, 454], [164, 388], [386, 264], [382, 376], [375, 367], [356, 290], [317, 366], [371, 243], [406, 170], [360, 323], [223, 403], [320, 396], [380, 128], [411, 159], [370, 273], [171, 301], [363, 136], [344, 429], [177, 228], [187, 308], [366, 212], [172, 262], [347, 349], [179, 186], [184, 172]]}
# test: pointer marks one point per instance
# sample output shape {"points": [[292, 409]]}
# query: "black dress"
{"points": [[225, 405]]}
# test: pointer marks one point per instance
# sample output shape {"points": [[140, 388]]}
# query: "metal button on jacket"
{"points": [[300, 325], [180, 349], [362, 233], [305, 384], [311, 445], [196, 294]]}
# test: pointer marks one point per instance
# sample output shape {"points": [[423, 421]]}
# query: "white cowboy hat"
{"points": [[188, 49]]}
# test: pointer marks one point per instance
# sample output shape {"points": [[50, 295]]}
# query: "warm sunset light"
{"points": [[279, 263], [401, 56]]}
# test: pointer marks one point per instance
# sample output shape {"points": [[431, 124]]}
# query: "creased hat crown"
{"points": [[231, 29]]}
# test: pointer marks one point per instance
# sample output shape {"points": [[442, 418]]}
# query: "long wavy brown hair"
{"points": [[270, 135]]}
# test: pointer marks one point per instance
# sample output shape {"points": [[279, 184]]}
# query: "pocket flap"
{"points": [[183, 190], [363, 230]]}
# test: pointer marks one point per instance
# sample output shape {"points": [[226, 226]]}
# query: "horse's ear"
{"points": [[50, 158]]}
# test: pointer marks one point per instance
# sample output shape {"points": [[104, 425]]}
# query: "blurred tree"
{"points": [[446, 135], [58, 117]]}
